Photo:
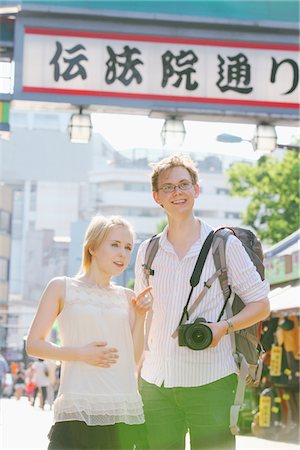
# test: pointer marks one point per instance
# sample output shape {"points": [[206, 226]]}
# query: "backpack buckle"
{"points": [[147, 271]]}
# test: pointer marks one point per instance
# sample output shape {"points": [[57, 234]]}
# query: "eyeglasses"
{"points": [[182, 186]]}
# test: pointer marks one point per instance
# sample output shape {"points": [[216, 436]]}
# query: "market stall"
{"points": [[277, 415]]}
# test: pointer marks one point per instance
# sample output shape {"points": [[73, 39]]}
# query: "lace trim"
{"points": [[97, 410], [78, 292], [99, 420]]}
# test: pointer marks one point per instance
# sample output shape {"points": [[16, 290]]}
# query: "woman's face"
{"points": [[113, 255]]}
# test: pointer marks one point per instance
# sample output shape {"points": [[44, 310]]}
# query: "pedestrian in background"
{"points": [[53, 382], [3, 371], [41, 381], [29, 382], [187, 390], [101, 326], [19, 384], [14, 367]]}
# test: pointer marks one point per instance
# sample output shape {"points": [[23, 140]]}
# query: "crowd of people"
{"points": [[126, 381], [38, 381]]}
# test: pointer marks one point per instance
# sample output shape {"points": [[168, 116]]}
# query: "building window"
{"points": [[18, 205], [206, 213], [17, 229], [141, 212], [210, 164], [33, 197], [233, 215], [137, 187], [5, 221], [3, 269], [222, 191], [6, 77]]}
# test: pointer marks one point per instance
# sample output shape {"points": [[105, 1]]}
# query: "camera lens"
{"points": [[198, 336]]}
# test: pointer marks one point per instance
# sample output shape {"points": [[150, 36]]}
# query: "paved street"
{"points": [[25, 427]]}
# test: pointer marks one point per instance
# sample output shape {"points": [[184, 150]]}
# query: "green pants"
{"points": [[203, 411]]}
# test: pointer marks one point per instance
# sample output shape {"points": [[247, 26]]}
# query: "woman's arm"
{"points": [[51, 304], [139, 306]]}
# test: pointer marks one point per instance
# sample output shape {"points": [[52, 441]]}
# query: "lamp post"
{"points": [[173, 132], [80, 128], [24, 353]]}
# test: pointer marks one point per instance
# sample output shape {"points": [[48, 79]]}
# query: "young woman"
{"points": [[101, 325]]}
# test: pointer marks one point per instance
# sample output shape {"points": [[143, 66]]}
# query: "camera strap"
{"points": [[194, 280]]}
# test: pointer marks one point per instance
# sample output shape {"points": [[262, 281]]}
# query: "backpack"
{"points": [[246, 346]]}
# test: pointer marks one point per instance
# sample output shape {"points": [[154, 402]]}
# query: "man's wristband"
{"points": [[230, 328]]}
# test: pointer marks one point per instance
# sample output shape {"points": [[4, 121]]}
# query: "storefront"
{"points": [[277, 415]]}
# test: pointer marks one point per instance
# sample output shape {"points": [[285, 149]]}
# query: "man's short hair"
{"points": [[178, 160]]}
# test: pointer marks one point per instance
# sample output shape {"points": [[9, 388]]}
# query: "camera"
{"points": [[196, 336]]}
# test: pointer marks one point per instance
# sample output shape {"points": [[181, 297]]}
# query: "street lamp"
{"points": [[264, 139], [173, 132], [80, 128]]}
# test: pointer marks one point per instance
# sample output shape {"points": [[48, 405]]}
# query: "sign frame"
{"points": [[154, 104]]}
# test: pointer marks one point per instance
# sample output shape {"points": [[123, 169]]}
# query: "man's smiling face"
{"points": [[178, 201]]}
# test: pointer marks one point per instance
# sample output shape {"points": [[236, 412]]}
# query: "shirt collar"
{"points": [[166, 245]]}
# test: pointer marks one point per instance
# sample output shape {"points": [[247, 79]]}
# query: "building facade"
{"points": [[5, 257]]}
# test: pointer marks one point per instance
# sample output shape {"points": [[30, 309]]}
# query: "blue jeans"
{"points": [[203, 411]]}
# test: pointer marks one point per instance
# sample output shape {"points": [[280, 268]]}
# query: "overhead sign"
{"points": [[160, 68]]}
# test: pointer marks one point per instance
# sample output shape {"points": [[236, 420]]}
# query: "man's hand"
{"points": [[219, 330]]}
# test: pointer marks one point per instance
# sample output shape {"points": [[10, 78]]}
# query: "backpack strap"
{"points": [[239, 396], [195, 278], [207, 285], [219, 255], [151, 251]]}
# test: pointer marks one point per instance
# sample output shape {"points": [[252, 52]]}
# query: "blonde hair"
{"points": [[177, 160], [96, 233]]}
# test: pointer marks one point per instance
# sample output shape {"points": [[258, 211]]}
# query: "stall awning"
{"points": [[285, 299]]}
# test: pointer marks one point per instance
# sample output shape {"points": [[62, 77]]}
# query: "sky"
{"points": [[126, 132]]}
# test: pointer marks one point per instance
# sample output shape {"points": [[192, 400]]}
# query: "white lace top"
{"points": [[96, 395]]}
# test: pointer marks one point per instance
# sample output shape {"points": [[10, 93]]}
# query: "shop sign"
{"points": [[283, 268], [160, 68], [264, 411], [276, 361]]}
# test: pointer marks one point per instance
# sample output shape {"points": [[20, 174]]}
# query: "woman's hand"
{"points": [[142, 303], [97, 354]]}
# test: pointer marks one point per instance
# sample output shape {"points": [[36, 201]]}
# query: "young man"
{"points": [[188, 390]]}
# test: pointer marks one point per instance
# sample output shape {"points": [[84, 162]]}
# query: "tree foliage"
{"points": [[273, 187], [130, 283], [161, 225]]}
